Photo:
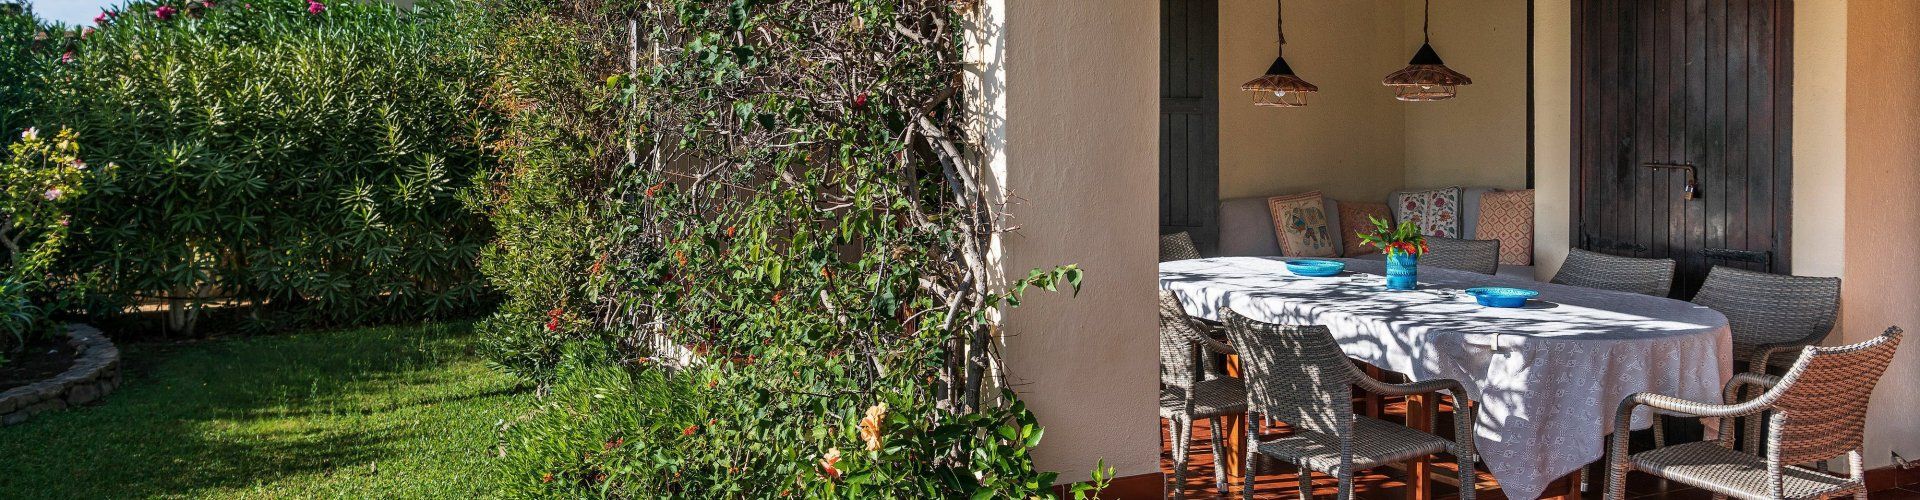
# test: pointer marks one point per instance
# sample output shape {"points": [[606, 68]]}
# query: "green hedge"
{"points": [[311, 155]]}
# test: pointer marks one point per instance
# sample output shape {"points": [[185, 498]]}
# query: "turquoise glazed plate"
{"points": [[1315, 268], [1496, 296]]}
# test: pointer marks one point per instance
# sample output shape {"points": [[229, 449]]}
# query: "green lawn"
{"points": [[383, 412]]}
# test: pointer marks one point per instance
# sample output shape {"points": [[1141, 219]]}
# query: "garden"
{"points": [[506, 248]]}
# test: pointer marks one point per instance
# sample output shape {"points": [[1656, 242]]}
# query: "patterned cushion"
{"points": [[1354, 219], [1435, 211], [1508, 216], [1300, 223]]}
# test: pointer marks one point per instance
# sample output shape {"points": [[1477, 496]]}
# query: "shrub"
{"points": [[41, 178], [308, 159], [27, 49], [765, 224]]}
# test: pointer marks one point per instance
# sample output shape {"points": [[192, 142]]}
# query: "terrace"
{"points": [[1761, 136]]}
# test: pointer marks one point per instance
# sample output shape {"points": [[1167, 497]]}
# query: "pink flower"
{"points": [[315, 7], [67, 57], [102, 18], [86, 31], [53, 194], [165, 12]]}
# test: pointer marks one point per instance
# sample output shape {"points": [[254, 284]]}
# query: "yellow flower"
{"points": [[870, 426]]}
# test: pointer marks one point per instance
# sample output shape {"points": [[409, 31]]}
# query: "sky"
{"points": [[72, 12]]}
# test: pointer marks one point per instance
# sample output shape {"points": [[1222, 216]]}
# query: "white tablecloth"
{"points": [[1548, 392]]}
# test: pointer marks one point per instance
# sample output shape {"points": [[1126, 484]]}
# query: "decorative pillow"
{"points": [[1508, 216], [1435, 211], [1356, 217], [1300, 223]]}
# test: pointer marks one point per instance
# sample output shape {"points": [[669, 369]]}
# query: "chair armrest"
{"points": [[1680, 407], [1759, 363], [1375, 386], [1732, 391], [1207, 340]]}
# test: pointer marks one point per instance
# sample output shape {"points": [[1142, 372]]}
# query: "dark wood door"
{"points": [[1190, 120], [1673, 93]]}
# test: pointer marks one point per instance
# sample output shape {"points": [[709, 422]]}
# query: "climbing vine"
{"points": [[775, 237]]}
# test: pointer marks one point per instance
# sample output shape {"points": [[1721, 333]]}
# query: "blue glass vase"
{"points": [[1403, 271]]}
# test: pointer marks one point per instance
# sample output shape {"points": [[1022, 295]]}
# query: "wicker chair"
{"points": [[1187, 393], [1177, 246], [1611, 272], [1480, 256], [1298, 375], [1818, 411], [1769, 314]]}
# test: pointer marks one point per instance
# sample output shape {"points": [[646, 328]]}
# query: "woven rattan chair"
{"points": [[1612, 272], [1769, 314], [1298, 375], [1187, 393], [1818, 411], [1480, 256], [1177, 246]]}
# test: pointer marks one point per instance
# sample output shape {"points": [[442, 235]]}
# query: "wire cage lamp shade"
{"points": [[1279, 87], [1426, 77]]}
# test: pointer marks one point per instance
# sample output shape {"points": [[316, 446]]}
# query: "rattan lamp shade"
{"points": [[1279, 88], [1425, 78]]}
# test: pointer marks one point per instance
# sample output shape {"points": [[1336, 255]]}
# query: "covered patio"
{"points": [[1763, 136]]}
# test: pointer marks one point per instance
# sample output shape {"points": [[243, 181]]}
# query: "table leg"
{"points": [[1233, 440], [1374, 404], [1420, 470]]}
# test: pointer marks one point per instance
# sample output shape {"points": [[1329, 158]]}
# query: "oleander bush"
{"points": [[27, 48], [309, 157], [743, 252]]}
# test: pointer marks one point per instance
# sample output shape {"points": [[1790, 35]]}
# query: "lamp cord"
{"points": [[1426, 16], [1279, 16]]}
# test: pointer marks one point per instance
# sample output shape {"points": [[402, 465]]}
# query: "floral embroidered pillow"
{"points": [[1300, 222], [1435, 211]]}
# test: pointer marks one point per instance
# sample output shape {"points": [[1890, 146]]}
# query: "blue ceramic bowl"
{"points": [[1494, 296], [1315, 268]]}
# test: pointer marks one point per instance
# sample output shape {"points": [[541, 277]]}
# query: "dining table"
{"points": [[1544, 378]]}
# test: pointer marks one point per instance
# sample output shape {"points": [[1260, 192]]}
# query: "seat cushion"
{"points": [[1300, 222], [1508, 216], [1714, 468], [1375, 442], [1435, 211], [1354, 220], [1220, 396], [1246, 228]]}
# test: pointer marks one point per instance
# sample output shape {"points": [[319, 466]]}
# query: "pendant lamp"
{"points": [[1425, 78], [1279, 87]]}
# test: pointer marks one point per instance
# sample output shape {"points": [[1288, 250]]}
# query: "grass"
{"points": [[391, 412]]}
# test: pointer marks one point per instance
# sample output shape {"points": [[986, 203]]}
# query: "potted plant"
{"points": [[1403, 245]]}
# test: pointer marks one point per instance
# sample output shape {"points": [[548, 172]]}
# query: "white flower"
{"points": [[30, 134], [53, 194], [79, 165]]}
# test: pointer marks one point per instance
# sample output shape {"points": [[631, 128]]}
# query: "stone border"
{"points": [[95, 372]]}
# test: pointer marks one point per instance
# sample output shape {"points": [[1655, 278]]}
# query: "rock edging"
{"points": [[95, 372]]}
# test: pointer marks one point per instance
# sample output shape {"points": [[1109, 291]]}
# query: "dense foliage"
{"points": [[27, 49], [41, 176], [303, 155], [751, 263]]}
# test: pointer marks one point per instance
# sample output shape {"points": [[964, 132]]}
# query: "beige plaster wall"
{"points": [[1552, 133], [1478, 138], [1080, 170], [1881, 284], [1820, 171], [1348, 141]]}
